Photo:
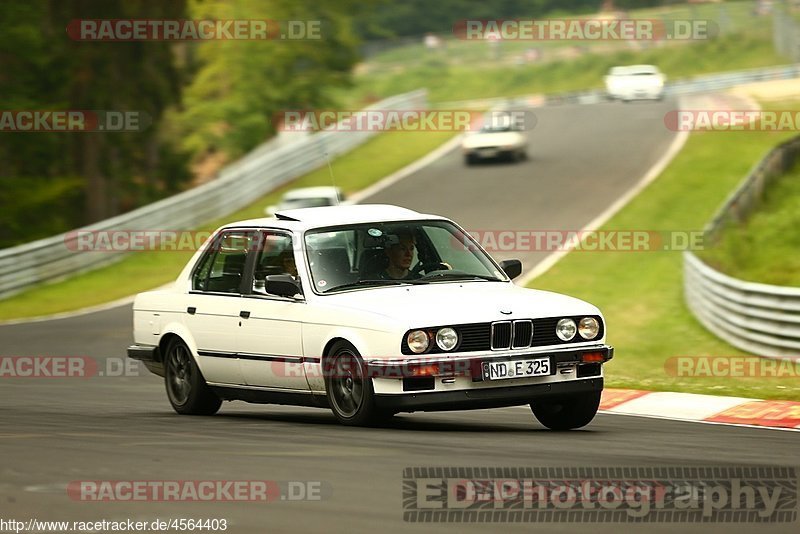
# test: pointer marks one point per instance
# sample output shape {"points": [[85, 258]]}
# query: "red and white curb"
{"points": [[703, 408]]}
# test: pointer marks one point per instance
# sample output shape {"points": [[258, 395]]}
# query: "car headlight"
{"points": [[446, 339], [566, 329], [589, 327], [417, 341]]}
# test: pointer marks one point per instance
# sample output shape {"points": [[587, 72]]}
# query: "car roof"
{"points": [[311, 192], [643, 68], [629, 69], [307, 218]]}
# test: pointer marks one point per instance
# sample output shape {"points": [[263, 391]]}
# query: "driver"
{"points": [[400, 255]]}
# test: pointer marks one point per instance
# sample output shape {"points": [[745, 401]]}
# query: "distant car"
{"points": [[497, 139], [635, 82], [308, 197], [331, 329]]}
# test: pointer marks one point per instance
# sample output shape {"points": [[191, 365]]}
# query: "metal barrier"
{"points": [[758, 318], [237, 185], [698, 84], [267, 167]]}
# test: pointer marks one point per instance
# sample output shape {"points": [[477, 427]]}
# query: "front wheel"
{"points": [[187, 390], [567, 413], [349, 389]]}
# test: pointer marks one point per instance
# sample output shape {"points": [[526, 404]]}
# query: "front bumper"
{"points": [[491, 152], [458, 383], [484, 398]]}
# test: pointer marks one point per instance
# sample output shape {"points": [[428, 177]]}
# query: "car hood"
{"points": [[492, 139], [458, 303]]}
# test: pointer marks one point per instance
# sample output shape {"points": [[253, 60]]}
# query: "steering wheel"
{"points": [[430, 267]]}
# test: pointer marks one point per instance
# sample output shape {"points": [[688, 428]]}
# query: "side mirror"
{"points": [[513, 268], [282, 285]]}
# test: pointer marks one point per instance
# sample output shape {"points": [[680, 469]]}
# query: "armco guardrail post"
{"points": [[237, 185], [759, 318]]}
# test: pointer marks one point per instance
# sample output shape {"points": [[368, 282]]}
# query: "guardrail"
{"points": [[698, 84], [758, 318], [237, 185]]}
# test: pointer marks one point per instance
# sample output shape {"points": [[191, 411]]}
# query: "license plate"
{"points": [[516, 369], [488, 152]]}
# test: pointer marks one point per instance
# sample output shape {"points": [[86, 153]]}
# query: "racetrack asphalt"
{"points": [[58, 430]]}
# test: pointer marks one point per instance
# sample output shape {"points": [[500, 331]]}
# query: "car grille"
{"points": [[505, 335]]}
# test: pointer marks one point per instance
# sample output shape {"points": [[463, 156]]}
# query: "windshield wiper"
{"points": [[368, 283], [444, 275]]}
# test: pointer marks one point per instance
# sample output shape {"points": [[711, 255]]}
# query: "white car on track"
{"points": [[496, 139], [308, 197], [305, 309], [635, 82]]}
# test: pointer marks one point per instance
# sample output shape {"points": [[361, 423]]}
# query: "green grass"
{"points": [[141, 271], [450, 81], [765, 247], [641, 293], [732, 17]]}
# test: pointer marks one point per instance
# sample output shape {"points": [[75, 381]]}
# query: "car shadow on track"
{"points": [[404, 422]]}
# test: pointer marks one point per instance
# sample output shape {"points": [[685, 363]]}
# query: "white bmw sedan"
{"points": [[367, 310]]}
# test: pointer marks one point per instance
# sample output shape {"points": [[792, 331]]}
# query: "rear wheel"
{"points": [[187, 390], [349, 389], [566, 413]]}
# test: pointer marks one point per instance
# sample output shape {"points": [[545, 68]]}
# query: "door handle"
{"points": [[191, 310], [244, 314]]}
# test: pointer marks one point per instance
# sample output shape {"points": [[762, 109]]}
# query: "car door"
{"points": [[270, 342], [214, 303]]}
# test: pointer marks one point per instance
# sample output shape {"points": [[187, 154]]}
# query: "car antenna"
{"points": [[333, 178]]}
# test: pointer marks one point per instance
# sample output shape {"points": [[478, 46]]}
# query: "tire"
{"points": [[187, 390], [349, 389], [567, 413], [469, 159]]}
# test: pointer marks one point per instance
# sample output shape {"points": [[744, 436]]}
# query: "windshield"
{"points": [[499, 122], [396, 253]]}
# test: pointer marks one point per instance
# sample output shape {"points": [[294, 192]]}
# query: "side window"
{"points": [[276, 256], [222, 269], [200, 277]]}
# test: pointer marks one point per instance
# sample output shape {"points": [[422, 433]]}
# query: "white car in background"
{"points": [[331, 329], [308, 197], [497, 138], [635, 82]]}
